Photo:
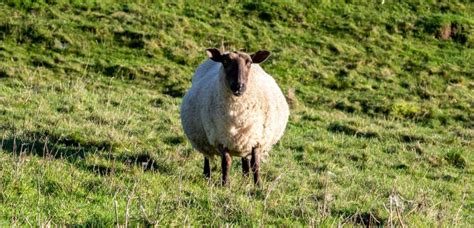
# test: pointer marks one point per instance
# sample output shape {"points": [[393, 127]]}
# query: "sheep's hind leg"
{"points": [[207, 168], [255, 163], [245, 166], [226, 163]]}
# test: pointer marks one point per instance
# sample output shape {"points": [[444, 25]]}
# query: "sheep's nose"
{"points": [[237, 88]]}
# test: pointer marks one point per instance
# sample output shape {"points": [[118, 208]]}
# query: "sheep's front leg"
{"points": [[207, 168], [226, 163], [245, 166], [255, 163]]}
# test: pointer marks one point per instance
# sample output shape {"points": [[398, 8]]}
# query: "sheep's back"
{"points": [[207, 69], [195, 99]]}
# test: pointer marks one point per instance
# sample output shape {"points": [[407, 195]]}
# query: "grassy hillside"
{"points": [[381, 127]]}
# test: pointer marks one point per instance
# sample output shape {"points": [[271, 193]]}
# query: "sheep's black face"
{"points": [[237, 67]]}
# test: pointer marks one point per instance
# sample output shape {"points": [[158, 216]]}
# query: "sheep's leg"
{"points": [[226, 163], [245, 166], [255, 162], [207, 168]]}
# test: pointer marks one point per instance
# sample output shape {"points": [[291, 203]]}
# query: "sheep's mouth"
{"points": [[238, 89], [237, 93]]}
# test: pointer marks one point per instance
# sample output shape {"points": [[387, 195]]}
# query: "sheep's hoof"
{"points": [[224, 183]]}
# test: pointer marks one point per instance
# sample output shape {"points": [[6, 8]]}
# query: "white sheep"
{"points": [[234, 108]]}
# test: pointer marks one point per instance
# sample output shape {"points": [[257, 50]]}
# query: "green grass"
{"points": [[380, 132]]}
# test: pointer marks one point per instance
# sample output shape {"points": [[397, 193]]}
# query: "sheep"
{"points": [[234, 108]]}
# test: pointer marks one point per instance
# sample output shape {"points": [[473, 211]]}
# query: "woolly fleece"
{"points": [[212, 116]]}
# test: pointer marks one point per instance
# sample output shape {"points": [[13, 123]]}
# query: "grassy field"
{"points": [[381, 128]]}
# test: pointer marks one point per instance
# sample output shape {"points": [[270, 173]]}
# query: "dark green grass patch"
{"points": [[380, 131]]}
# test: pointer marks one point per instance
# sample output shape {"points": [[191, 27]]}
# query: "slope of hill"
{"points": [[381, 127]]}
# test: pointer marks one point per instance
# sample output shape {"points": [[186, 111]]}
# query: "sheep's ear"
{"points": [[260, 56], [214, 54]]}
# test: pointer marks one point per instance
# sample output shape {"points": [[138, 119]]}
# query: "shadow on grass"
{"points": [[147, 162], [350, 130], [75, 151], [364, 218], [45, 147]]}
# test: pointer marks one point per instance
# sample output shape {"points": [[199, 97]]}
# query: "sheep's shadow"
{"points": [[72, 151], [42, 147], [147, 162]]}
